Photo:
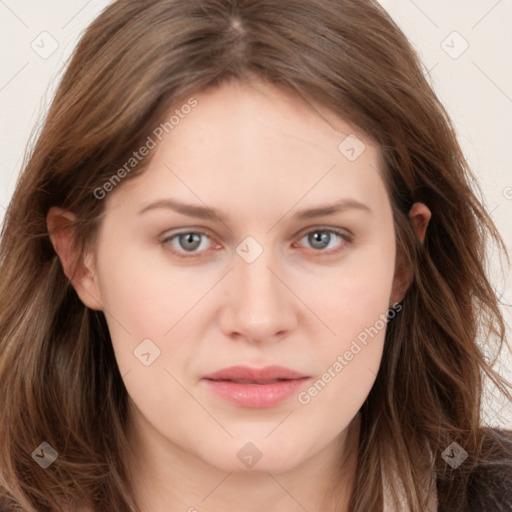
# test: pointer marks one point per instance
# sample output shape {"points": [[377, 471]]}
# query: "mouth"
{"points": [[245, 381], [255, 388], [255, 375]]}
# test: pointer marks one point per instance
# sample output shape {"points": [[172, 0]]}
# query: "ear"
{"points": [[419, 216], [80, 272]]}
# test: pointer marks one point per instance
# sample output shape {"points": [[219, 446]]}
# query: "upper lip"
{"points": [[255, 374]]}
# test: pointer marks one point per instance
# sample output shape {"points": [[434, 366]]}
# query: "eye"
{"points": [[324, 240], [190, 242]]}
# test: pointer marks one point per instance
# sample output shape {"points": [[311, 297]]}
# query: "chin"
{"points": [[249, 459]]}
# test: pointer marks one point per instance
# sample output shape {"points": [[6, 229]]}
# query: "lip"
{"points": [[256, 387], [255, 374]]}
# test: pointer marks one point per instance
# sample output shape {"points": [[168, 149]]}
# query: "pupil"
{"points": [[322, 237], [189, 239]]}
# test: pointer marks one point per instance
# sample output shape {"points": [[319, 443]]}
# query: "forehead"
{"points": [[255, 114], [253, 140]]}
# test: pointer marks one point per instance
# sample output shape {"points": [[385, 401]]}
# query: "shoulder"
{"points": [[490, 483]]}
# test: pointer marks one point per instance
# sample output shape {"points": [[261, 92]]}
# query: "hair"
{"points": [[58, 374]]}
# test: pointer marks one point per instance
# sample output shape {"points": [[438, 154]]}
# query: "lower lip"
{"points": [[256, 395]]}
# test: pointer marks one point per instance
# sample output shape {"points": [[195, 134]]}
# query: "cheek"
{"points": [[349, 360], [353, 305], [145, 294], [352, 296], [148, 298]]}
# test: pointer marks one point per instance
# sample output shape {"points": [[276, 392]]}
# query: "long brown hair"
{"points": [[59, 380]]}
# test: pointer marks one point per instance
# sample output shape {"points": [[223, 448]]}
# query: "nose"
{"points": [[259, 305]]}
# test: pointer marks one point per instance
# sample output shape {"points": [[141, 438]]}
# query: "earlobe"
{"points": [[80, 272], [420, 216]]}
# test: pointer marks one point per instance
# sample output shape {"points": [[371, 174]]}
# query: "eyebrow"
{"points": [[204, 212]]}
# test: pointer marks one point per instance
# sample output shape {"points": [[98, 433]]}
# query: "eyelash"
{"points": [[347, 239]]}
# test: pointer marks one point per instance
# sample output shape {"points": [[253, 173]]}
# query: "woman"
{"points": [[316, 346]]}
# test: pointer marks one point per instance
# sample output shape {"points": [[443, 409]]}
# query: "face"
{"points": [[265, 284]]}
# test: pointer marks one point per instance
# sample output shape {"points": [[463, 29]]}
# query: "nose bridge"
{"points": [[257, 282], [259, 302]]}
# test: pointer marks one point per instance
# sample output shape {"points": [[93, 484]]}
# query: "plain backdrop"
{"points": [[465, 46]]}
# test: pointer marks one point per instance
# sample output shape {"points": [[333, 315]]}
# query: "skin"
{"points": [[259, 155]]}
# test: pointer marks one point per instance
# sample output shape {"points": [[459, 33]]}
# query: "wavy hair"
{"points": [[59, 379]]}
